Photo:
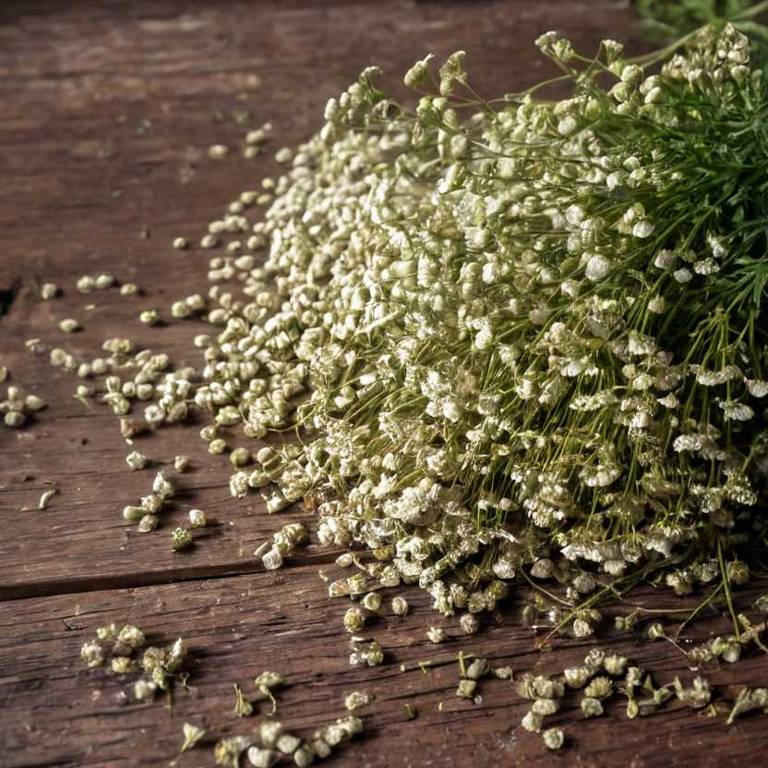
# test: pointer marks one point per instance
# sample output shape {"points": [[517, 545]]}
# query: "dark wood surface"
{"points": [[106, 113]]}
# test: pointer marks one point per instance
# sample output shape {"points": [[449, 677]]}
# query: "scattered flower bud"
{"points": [[181, 538], [553, 738], [399, 606], [69, 325], [92, 654], [197, 518], [371, 602], [591, 707], [136, 460]]}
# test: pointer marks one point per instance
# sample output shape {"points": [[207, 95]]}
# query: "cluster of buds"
{"points": [[272, 744], [283, 542], [126, 651], [146, 513], [18, 406]]}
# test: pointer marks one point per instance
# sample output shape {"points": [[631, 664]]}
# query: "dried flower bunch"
{"points": [[519, 339], [524, 336]]}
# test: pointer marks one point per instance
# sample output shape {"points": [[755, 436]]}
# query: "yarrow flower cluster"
{"points": [[529, 329], [518, 338]]}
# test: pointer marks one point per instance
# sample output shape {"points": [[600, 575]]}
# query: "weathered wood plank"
{"points": [[55, 712]]}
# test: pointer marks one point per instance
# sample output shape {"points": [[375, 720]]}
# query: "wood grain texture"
{"points": [[106, 112], [55, 712]]}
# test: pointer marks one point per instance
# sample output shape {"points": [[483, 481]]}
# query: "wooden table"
{"points": [[106, 113]]}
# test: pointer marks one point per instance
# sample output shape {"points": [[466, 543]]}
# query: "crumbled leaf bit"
{"points": [[192, 735], [269, 731], [614, 664], [469, 623], [436, 635], [216, 447], [761, 604], [326, 739], [92, 654], [18, 406], [86, 284], [287, 744], [147, 523], [36, 346], [577, 677], [122, 665], [269, 680], [131, 637], [477, 668], [14, 419], [243, 707], [532, 722], [240, 457], [144, 690], [303, 757], [545, 707], [466, 689], [104, 281], [371, 602], [599, 688], [161, 486]]}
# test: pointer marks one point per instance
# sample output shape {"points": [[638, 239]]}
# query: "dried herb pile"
{"points": [[527, 334]]}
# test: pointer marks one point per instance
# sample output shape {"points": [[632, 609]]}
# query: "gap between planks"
{"points": [[75, 585]]}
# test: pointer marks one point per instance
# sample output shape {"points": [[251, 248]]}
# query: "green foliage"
{"points": [[675, 18], [667, 20]]}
